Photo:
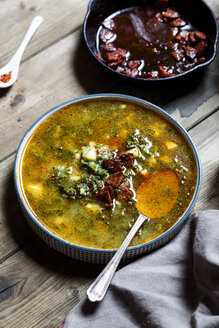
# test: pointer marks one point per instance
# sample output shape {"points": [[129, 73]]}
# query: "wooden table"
{"points": [[38, 286]]}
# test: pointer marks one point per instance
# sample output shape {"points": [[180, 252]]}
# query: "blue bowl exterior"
{"points": [[92, 254]]}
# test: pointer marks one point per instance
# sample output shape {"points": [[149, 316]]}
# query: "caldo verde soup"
{"points": [[83, 166]]}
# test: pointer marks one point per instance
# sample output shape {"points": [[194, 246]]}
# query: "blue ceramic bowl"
{"points": [[92, 254]]}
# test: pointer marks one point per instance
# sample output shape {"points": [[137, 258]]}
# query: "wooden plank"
{"points": [[206, 137], [60, 19], [70, 72], [49, 281], [214, 5], [202, 111], [189, 101], [38, 280]]}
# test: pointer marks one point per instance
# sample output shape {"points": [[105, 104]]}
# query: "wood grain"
{"points": [[41, 286], [214, 5], [60, 19], [37, 279], [206, 137], [189, 100]]}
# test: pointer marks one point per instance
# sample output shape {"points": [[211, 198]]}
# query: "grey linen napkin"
{"points": [[176, 286]]}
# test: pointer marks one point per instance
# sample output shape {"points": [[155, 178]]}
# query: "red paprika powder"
{"points": [[5, 77]]}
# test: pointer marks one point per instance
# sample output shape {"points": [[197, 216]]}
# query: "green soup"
{"points": [[84, 164]]}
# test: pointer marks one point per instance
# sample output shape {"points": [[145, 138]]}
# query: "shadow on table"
{"points": [[186, 94], [3, 92], [89, 74], [73, 272]]}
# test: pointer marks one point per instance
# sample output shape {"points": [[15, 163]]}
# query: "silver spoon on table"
{"points": [[156, 197], [9, 72]]}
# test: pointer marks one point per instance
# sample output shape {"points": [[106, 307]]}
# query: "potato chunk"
{"points": [[171, 145], [36, 189], [93, 207], [89, 153]]}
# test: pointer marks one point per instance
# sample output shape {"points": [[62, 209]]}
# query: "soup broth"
{"points": [[83, 165]]}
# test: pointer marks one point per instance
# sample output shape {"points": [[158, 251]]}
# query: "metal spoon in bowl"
{"points": [[9, 72], [156, 196]]}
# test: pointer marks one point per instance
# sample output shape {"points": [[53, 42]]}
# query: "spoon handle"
{"points": [[36, 22], [98, 288]]}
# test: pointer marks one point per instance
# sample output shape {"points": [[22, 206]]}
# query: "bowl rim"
{"points": [[193, 69], [111, 96]]}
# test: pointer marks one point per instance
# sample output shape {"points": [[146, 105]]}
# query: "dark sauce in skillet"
{"points": [[150, 42]]}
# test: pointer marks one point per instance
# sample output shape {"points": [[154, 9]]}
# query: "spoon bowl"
{"points": [[11, 69], [158, 194]]}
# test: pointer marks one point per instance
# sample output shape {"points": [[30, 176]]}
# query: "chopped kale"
{"points": [[129, 173], [143, 144], [93, 181], [62, 172], [67, 188], [95, 167], [83, 189], [92, 177]]}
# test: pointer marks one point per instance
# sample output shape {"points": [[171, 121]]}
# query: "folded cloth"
{"points": [[176, 286]]}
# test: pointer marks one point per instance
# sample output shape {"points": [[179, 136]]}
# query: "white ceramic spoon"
{"points": [[14, 63]]}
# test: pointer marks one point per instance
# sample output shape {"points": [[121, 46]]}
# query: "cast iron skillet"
{"points": [[196, 11]]}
